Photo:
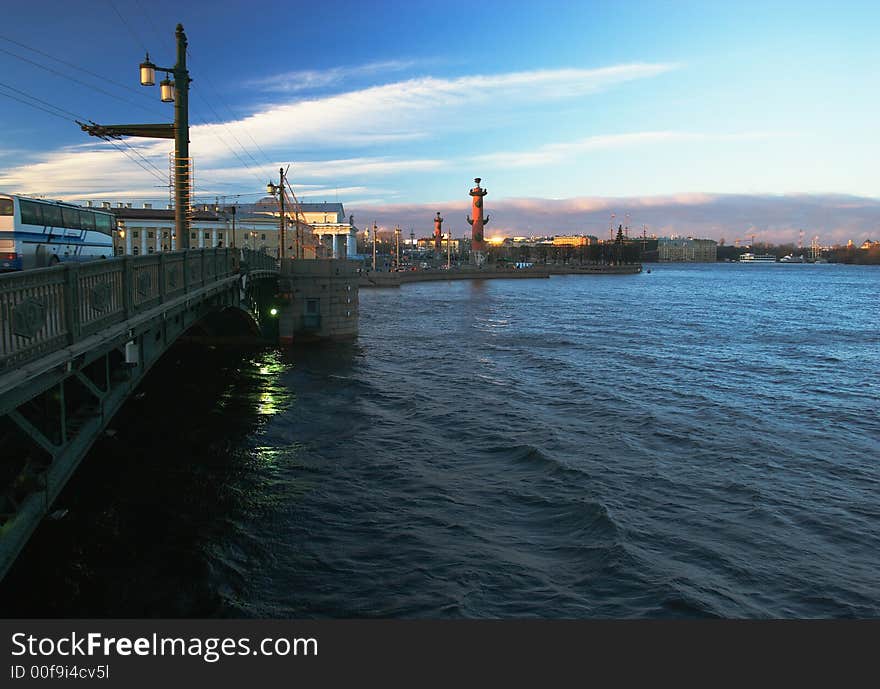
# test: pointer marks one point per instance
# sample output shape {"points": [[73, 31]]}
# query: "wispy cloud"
{"points": [[410, 109], [315, 79], [557, 152], [370, 117]]}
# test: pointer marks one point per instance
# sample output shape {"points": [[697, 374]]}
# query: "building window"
{"points": [[264, 236], [150, 234], [207, 235], [192, 235], [313, 306], [135, 234], [151, 250], [135, 250]]}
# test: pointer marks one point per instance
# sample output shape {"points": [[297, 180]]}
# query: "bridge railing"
{"points": [[258, 260], [46, 309]]}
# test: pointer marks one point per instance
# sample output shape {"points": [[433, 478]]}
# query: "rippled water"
{"points": [[697, 441]]}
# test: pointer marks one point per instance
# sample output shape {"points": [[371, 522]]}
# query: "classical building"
{"points": [[687, 250], [150, 230], [320, 228], [560, 240], [335, 236]]}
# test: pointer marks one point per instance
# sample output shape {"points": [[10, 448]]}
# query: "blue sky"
{"points": [[394, 108]]}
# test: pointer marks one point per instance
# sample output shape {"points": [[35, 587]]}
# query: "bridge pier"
{"points": [[318, 300]]}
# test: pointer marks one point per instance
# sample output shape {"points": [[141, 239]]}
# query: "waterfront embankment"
{"points": [[380, 279]]}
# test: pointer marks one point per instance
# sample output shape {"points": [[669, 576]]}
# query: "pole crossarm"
{"points": [[115, 131]]}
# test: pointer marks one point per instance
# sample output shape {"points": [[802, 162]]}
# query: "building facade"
{"points": [[687, 250], [321, 229], [149, 230]]}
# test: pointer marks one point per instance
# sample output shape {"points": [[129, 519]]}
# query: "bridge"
{"points": [[77, 339]]}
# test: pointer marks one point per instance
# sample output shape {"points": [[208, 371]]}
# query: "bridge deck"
{"points": [[75, 341]]}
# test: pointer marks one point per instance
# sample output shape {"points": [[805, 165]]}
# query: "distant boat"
{"points": [[757, 258], [790, 258]]}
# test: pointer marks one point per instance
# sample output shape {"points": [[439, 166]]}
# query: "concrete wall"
{"points": [[321, 300]]}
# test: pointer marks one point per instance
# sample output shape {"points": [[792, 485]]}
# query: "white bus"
{"points": [[35, 233]]}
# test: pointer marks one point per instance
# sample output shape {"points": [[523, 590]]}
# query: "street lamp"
{"points": [[397, 248], [272, 190], [171, 91], [148, 72], [374, 245]]}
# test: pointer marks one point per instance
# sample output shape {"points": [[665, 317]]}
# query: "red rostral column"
{"points": [[478, 246], [438, 234]]}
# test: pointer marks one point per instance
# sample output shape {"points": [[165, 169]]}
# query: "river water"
{"points": [[701, 440]]}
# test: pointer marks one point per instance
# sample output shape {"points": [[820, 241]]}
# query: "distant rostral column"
{"points": [[478, 246], [438, 235]]}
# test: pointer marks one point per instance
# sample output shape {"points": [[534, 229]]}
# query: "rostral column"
{"points": [[478, 246], [438, 235]]}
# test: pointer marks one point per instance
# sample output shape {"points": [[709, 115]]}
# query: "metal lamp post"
{"points": [[272, 189], [233, 211], [176, 91], [374, 245], [449, 250]]}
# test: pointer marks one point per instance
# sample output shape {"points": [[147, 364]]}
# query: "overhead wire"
{"points": [[62, 113], [232, 115], [80, 68], [223, 141], [54, 110], [131, 31], [72, 78]]}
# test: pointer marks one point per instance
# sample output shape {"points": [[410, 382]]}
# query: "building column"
{"points": [[213, 238], [128, 241], [351, 249], [337, 248]]}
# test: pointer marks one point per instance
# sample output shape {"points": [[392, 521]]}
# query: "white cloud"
{"points": [[309, 79], [408, 109], [557, 152], [395, 112]]}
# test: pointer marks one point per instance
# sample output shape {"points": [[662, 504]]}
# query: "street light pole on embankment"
{"points": [[176, 92]]}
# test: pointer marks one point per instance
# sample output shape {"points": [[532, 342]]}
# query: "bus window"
{"points": [[51, 215], [31, 213], [5, 206], [102, 223], [87, 220], [70, 218]]}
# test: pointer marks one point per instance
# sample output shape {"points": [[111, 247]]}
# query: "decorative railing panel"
{"points": [[46, 309], [194, 267], [145, 283], [173, 269], [102, 295], [33, 319]]}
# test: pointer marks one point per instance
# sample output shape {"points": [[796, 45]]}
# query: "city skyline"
{"points": [[725, 123]]}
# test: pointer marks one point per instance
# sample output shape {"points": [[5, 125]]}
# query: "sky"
{"points": [[703, 119]]}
